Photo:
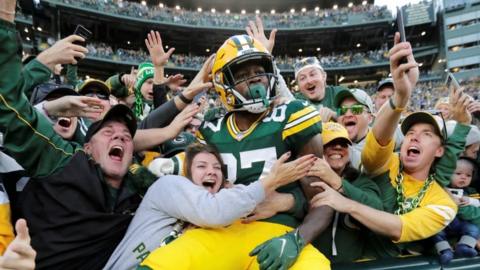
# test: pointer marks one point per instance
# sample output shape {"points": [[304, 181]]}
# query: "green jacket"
{"points": [[33, 74], [349, 239], [75, 218]]}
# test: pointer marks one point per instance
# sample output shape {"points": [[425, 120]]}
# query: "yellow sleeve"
{"points": [[377, 159], [6, 228], [435, 212]]}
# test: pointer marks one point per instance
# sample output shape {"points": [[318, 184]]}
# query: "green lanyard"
{"points": [[404, 204]]}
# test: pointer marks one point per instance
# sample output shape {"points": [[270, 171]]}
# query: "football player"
{"points": [[251, 137]]}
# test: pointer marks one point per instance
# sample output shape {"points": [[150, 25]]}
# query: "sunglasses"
{"points": [[444, 130], [355, 109], [98, 95], [305, 62]]}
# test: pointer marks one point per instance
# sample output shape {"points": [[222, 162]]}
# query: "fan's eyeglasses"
{"points": [[444, 130], [355, 109]]}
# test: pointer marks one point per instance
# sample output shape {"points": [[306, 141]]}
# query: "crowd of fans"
{"points": [[105, 51], [426, 93], [310, 18], [232, 170]]}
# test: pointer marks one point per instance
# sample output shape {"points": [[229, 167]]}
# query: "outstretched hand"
{"points": [[175, 82], [256, 31], [202, 80], [459, 103], [182, 120], [155, 47], [329, 197], [283, 172], [322, 170], [74, 106]]}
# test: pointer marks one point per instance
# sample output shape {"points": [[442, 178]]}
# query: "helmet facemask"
{"points": [[258, 97]]}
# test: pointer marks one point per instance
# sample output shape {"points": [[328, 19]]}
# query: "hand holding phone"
{"points": [[452, 82], [84, 33]]}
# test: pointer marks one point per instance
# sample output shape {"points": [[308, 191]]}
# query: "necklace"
{"points": [[404, 204]]}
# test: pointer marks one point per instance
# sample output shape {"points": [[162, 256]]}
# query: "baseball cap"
{"points": [[385, 82], [118, 112], [177, 144], [93, 85], [332, 131], [306, 63], [48, 91], [428, 118], [359, 95]]}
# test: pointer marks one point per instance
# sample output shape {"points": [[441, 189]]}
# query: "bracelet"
{"points": [[394, 108], [7, 12], [340, 187], [184, 99]]}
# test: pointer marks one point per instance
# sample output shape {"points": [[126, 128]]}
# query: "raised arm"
{"points": [[405, 77], [147, 138], [455, 143], [158, 56], [29, 138]]}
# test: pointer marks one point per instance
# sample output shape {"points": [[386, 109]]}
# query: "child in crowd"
{"points": [[467, 220], [144, 90]]}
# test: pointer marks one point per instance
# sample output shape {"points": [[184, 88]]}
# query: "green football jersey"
{"points": [[249, 155]]}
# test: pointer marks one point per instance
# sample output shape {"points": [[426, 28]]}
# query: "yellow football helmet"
{"points": [[230, 58]]}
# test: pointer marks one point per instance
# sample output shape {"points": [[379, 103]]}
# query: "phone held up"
{"points": [[84, 33], [452, 82], [401, 30]]}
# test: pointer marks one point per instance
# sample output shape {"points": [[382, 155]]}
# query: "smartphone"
{"points": [[452, 82], [400, 25], [401, 30], [84, 33]]}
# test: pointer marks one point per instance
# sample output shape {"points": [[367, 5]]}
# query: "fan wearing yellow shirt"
{"points": [[415, 204]]}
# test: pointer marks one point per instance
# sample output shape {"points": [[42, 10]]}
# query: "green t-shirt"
{"points": [[328, 99]]}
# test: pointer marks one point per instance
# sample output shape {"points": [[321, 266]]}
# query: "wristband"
{"points": [[394, 108], [184, 99], [340, 187]]}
